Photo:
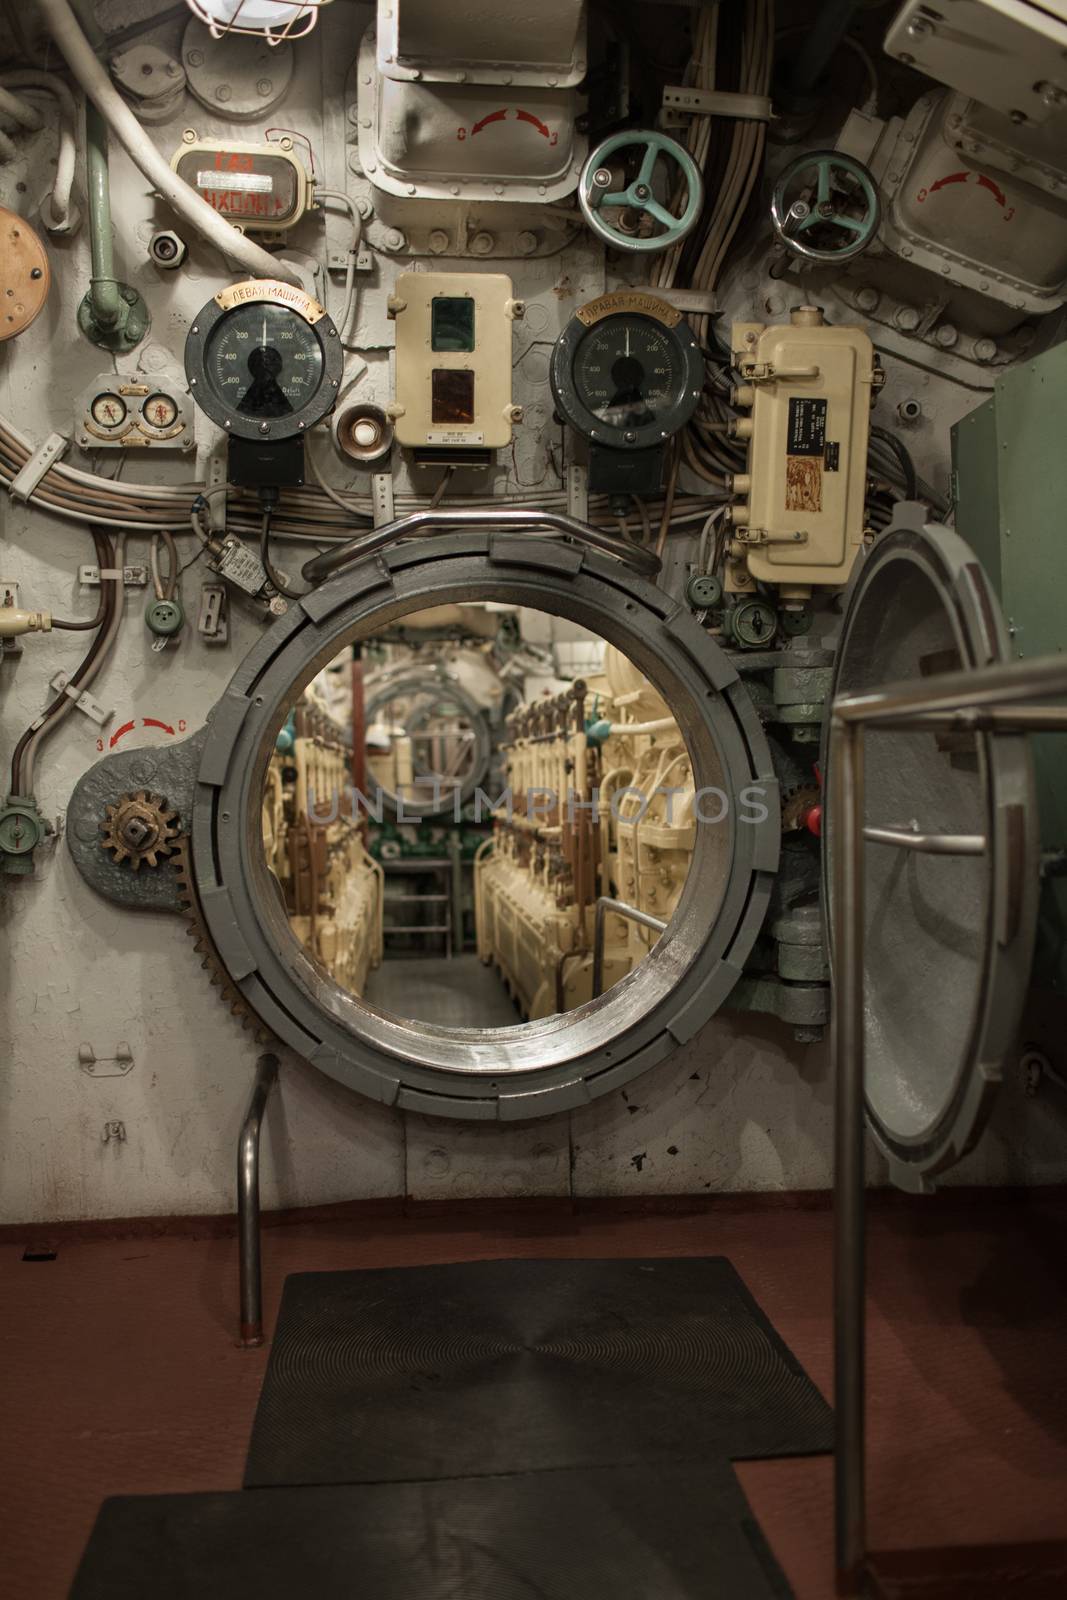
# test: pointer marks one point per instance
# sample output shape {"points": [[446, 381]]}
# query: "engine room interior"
{"points": [[533, 842]]}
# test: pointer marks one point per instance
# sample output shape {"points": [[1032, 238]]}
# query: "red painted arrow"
{"points": [[494, 116], [528, 116]]}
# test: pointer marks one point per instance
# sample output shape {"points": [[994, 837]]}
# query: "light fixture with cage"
{"points": [[276, 21]]}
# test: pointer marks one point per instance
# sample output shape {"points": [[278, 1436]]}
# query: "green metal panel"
{"points": [[1010, 476]]}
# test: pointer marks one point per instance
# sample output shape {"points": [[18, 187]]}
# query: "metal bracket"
{"points": [[213, 618], [756, 536], [578, 491], [116, 1066], [381, 489], [719, 103]]}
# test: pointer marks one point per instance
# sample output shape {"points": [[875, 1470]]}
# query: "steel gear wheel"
{"points": [[139, 828], [211, 961]]}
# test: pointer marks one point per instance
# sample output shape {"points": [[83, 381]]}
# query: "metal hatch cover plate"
{"points": [[949, 936]]}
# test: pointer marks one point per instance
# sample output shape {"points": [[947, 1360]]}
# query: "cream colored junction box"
{"points": [[453, 360], [809, 389]]}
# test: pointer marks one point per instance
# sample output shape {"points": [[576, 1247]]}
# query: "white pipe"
{"points": [[20, 111], [660, 725], [242, 251], [52, 84]]}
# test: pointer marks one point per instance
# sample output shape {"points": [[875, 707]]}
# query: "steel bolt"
{"points": [[984, 349], [137, 831], [394, 239], [223, 92], [601, 178], [195, 58], [867, 298], [907, 318], [482, 244], [264, 87], [438, 241], [946, 335]]}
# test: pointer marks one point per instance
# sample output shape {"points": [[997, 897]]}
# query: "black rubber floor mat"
{"points": [[622, 1535], [524, 1366]]}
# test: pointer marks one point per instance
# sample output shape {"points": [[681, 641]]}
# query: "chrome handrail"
{"points": [[603, 906], [510, 519]]}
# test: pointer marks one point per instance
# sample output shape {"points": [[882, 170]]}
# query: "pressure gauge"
{"points": [[627, 373], [159, 411], [263, 360], [114, 413], [108, 410]]}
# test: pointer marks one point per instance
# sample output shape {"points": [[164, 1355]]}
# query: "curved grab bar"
{"points": [[506, 520]]}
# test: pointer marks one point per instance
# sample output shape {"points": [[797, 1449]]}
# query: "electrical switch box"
{"points": [[808, 389], [453, 363]]}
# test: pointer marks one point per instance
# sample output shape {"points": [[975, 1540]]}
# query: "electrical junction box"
{"points": [[808, 388], [453, 363]]}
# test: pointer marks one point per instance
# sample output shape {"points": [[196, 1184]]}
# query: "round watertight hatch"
{"points": [[564, 1059], [949, 937]]}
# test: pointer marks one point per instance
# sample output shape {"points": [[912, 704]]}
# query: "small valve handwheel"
{"points": [[597, 192], [825, 206]]}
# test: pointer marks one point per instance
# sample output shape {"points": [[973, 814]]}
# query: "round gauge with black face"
{"points": [[264, 360], [627, 371]]}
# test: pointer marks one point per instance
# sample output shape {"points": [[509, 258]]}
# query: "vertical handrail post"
{"points": [[251, 1277], [847, 779]]}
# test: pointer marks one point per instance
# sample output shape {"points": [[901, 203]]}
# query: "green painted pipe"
{"points": [[108, 304]]}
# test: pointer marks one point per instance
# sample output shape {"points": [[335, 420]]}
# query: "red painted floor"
{"points": [[119, 1374]]}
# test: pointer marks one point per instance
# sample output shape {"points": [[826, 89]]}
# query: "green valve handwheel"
{"points": [[825, 206], [603, 187]]}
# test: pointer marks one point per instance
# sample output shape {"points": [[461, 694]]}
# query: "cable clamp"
{"points": [[82, 699], [132, 576], [25, 483]]}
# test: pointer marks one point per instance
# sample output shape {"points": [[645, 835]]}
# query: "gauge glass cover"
{"points": [[108, 411], [629, 371], [263, 360], [159, 411]]}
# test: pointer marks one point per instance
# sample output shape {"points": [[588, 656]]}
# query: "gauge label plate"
{"points": [[273, 290], [633, 301]]}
